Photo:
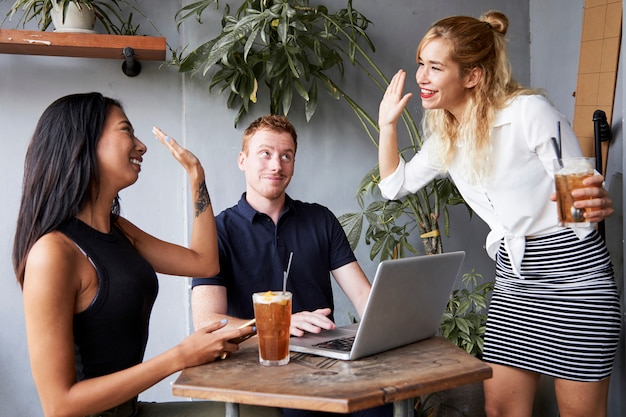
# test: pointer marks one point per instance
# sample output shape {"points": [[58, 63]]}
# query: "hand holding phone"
{"points": [[240, 339]]}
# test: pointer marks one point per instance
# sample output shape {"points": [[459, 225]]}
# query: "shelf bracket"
{"points": [[130, 66]]}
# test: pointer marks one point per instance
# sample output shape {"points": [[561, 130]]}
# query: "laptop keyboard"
{"points": [[343, 344]]}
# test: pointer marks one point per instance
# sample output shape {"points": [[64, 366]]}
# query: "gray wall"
{"points": [[332, 146], [555, 35]]}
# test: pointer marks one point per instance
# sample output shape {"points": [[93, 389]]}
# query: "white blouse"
{"points": [[514, 200]]}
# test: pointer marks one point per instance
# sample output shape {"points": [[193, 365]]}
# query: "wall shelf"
{"points": [[84, 45]]}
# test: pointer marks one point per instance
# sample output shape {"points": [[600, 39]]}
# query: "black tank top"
{"points": [[111, 334]]}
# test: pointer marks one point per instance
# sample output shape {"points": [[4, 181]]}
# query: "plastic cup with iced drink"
{"points": [[272, 310], [569, 174]]}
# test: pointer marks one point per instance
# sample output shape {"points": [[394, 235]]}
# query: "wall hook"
{"points": [[130, 66]]}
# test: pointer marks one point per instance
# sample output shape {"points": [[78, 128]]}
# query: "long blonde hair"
{"points": [[474, 43]]}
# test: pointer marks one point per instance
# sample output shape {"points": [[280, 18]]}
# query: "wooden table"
{"points": [[316, 383]]}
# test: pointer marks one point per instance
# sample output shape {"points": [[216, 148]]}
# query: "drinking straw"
{"points": [[557, 150], [558, 132], [556, 144], [287, 273]]}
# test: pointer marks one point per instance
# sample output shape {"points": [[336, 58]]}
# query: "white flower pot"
{"points": [[77, 19]]}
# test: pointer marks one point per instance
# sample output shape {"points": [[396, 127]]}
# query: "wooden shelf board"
{"points": [[83, 45]]}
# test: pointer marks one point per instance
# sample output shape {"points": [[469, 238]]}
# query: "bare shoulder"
{"points": [[51, 246], [55, 256]]}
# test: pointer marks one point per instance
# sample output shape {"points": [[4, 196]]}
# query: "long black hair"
{"points": [[60, 169]]}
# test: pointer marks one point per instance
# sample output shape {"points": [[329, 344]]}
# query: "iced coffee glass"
{"points": [[569, 174], [272, 311]]}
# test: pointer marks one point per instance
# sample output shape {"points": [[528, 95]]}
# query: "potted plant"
{"points": [[392, 224], [284, 47], [81, 15], [464, 320]]}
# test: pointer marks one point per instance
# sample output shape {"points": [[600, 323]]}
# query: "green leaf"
{"points": [[352, 224], [462, 324], [301, 90], [250, 41], [287, 98], [283, 26], [234, 83], [196, 9], [311, 105]]}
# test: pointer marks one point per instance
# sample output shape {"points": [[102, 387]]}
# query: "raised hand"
{"points": [[393, 101], [187, 159]]}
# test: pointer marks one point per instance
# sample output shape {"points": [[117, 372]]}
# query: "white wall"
{"points": [[332, 146]]}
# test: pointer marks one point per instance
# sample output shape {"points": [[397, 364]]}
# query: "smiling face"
{"points": [[268, 163], [442, 86], [119, 152]]}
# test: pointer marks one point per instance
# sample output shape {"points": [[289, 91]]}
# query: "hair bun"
{"points": [[496, 20]]}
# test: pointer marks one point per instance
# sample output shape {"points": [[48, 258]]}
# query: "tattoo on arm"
{"points": [[204, 200]]}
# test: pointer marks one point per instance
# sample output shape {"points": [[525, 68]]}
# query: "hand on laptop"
{"points": [[311, 321]]}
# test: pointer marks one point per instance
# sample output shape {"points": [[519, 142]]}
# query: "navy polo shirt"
{"points": [[254, 253]]}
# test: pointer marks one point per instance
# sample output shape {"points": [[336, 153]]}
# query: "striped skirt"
{"points": [[563, 319]]}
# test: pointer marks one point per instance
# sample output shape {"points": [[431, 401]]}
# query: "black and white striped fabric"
{"points": [[563, 318]]}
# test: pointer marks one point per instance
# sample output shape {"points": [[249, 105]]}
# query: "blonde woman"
{"points": [[555, 308]]}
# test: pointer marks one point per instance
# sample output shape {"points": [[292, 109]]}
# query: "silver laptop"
{"points": [[406, 303]]}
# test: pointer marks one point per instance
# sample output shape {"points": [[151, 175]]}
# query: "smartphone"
{"points": [[240, 339]]}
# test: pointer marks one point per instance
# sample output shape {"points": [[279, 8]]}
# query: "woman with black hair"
{"points": [[88, 274]]}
